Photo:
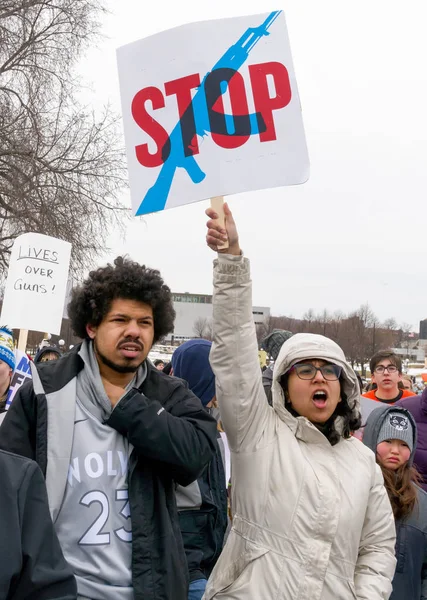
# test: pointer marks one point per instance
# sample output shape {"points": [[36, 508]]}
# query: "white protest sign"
{"points": [[21, 375], [36, 283], [211, 109]]}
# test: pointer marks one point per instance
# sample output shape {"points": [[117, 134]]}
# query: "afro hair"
{"points": [[128, 280]]}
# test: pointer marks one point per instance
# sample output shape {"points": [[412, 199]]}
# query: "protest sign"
{"points": [[21, 375], [211, 109], [36, 283]]}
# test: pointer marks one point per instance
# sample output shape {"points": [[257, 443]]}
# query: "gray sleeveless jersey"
{"points": [[94, 524]]}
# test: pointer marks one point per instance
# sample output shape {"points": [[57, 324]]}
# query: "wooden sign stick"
{"points": [[22, 340], [217, 203]]}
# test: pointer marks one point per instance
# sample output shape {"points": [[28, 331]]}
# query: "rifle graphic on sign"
{"points": [[199, 118]]}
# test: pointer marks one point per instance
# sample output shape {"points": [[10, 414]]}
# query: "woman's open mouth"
{"points": [[319, 399]]}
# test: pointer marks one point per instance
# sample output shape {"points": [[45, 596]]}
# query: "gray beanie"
{"points": [[273, 342], [397, 426]]}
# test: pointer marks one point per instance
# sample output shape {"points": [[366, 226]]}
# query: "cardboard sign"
{"points": [[211, 109], [21, 374], [36, 283]]}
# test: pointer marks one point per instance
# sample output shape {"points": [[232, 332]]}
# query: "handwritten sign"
{"points": [[211, 109], [21, 375], [36, 283]]}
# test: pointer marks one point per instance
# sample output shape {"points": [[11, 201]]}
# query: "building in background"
{"points": [[412, 355], [423, 329], [194, 316]]}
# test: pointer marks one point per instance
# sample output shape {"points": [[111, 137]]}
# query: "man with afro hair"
{"points": [[113, 436]]}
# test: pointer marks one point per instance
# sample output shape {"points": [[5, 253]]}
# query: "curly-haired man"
{"points": [[113, 434]]}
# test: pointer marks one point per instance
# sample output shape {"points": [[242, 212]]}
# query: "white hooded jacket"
{"points": [[311, 521]]}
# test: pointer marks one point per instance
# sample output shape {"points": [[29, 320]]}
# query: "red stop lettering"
{"points": [[262, 100], [149, 125], [239, 107], [182, 89]]}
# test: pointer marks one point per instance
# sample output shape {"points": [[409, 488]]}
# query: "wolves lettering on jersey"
{"points": [[96, 465], [94, 523]]}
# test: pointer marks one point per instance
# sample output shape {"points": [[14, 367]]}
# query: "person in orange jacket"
{"points": [[386, 373]]}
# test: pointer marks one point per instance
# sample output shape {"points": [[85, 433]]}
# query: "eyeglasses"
{"points": [[381, 369], [309, 371]]}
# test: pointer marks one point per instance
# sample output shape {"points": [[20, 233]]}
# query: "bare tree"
{"points": [[390, 324], [199, 326], [61, 165], [202, 328], [308, 318]]}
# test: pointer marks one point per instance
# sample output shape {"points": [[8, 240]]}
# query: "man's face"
{"points": [[384, 378], [5, 375], [407, 385], [124, 338]]}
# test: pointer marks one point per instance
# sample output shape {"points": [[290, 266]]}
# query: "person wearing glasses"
{"points": [[311, 516], [386, 373]]}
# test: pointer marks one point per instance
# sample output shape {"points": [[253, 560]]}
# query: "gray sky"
{"points": [[355, 232]]}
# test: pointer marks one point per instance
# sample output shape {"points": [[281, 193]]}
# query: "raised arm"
{"points": [[245, 413]]}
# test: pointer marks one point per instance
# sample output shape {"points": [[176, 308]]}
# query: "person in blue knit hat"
{"points": [[190, 362], [202, 505], [7, 364]]}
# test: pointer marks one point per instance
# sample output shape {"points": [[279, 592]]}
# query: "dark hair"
{"points": [[383, 354], [167, 368], [401, 489], [127, 280], [350, 423], [158, 362]]}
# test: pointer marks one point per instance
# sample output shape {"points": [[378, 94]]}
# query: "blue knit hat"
{"points": [[7, 350], [190, 362]]}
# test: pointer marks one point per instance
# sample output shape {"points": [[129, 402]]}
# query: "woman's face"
{"points": [[317, 398], [5, 375], [392, 454]]}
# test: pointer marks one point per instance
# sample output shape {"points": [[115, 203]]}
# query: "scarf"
{"points": [[90, 389]]}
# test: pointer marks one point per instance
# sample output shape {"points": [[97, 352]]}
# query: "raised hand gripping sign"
{"points": [[211, 109]]}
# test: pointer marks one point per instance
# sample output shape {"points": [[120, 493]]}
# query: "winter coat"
{"points": [[267, 382], [32, 564], [410, 578], [311, 521], [173, 439], [46, 350], [202, 514], [403, 394], [417, 406]]}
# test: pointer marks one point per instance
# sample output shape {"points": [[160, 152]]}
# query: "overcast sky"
{"points": [[356, 231]]}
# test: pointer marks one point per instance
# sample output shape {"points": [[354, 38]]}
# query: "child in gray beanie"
{"points": [[391, 433]]}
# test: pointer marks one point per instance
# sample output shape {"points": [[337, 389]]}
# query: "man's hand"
{"points": [[114, 392], [216, 235]]}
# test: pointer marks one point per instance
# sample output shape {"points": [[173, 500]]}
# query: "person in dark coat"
{"points": [[392, 434], [272, 344], [47, 353], [203, 504], [417, 406], [113, 435], [31, 561]]}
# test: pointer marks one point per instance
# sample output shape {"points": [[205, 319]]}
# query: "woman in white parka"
{"points": [[311, 516]]}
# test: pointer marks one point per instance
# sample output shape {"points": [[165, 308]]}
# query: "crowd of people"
{"points": [[207, 477]]}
